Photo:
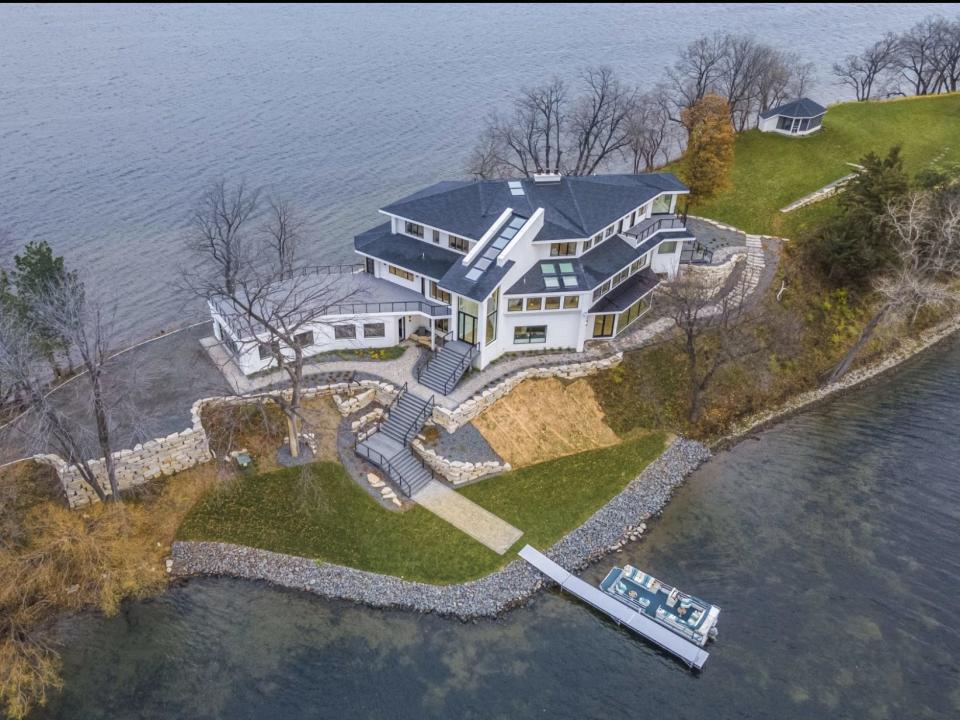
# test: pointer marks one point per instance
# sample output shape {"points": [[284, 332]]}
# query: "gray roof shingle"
{"points": [[626, 294], [800, 108], [574, 207], [414, 255]]}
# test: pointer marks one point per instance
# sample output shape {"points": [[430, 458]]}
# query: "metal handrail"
{"points": [[464, 363], [417, 422], [330, 269], [420, 306], [386, 410], [385, 464], [443, 340], [672, 223]]}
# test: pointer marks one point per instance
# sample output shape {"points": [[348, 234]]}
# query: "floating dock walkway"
{"points": [[690, 653]]}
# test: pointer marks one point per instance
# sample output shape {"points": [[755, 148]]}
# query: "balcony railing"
{"points": [[648, 229], [329, 270], [396, 306], [697, 254]]}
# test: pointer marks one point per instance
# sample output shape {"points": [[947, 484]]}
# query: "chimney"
{"points": [[547, 178]]}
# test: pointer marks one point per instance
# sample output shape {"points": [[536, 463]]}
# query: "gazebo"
{"points": [[798, 117]]}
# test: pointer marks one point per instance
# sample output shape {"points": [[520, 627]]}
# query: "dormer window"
{"points": [[414, 229]]}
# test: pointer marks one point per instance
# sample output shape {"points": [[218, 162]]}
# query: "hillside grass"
{"points": [[322, 513], [770, 171]]}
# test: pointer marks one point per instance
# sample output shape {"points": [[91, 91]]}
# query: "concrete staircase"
{"points": [[406, 417], [444, 370], [755, 264], [388, 447]]}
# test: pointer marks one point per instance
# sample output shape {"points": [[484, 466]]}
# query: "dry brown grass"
{"points": [[68, 560], [545, 419], [321, 417], [260, 427]]}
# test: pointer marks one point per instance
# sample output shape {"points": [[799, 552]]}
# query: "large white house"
{"points": [[484, 268]]}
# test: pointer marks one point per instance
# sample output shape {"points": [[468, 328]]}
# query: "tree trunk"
{"points": [[847, 362], [103, 434], [293, 435]]}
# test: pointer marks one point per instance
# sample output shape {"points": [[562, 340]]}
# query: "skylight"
{"points": [[556, 273]]}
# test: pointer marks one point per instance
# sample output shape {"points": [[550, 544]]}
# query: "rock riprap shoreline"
{"points": [[620, 520]]}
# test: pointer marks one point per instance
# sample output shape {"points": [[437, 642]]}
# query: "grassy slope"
{"points": [[326, 516], [771, 171]]}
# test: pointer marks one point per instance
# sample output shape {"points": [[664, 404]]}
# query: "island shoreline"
{"points": [[621, 520]]}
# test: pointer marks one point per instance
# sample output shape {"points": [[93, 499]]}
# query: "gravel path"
{"points": [[618, 521]]}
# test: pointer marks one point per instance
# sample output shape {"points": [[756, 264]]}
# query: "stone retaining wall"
{"points": [[153, 459], [190, 447], [458, 471], [451, 420], [716, 275]]}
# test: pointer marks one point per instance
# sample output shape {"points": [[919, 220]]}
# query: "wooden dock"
{"points": [[692, 654]]}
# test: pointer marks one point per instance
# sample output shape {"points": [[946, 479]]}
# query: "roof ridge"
{"points": [[582, 223]]}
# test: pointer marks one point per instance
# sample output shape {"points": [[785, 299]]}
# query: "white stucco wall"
{"points": [[325, 341], [666, 263]]}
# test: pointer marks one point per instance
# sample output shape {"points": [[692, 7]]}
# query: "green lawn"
{"points": [[324, 515], [771, 171]]}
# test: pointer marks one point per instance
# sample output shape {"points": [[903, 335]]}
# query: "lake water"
{"points": [[831, 543], [113, 119]]}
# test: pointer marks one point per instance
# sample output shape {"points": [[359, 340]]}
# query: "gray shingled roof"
{"points": [[800, 108], [626, 294], [409, 253], [575, 207], [594, 267]]}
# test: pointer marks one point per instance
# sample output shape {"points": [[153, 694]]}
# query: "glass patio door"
{"points": [[467, 327], [467, 321]]}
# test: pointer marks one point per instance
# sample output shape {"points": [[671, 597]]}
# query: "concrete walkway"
{"points": [[468, 517]]}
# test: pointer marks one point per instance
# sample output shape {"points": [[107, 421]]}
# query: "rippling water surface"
{"points": [[831, 543], [112, 119]]}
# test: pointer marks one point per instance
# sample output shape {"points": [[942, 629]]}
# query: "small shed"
{"points": [[797, 117]]}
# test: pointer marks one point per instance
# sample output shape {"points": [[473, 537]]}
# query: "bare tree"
{"points": [[530, 139], [916, 58], [802, 77], [267, 300], [947, 55], [599, 122], [218, 228], [649, 131], [863, 73], [282, 229], [927, 237], [19, 368], [546, 132], [85, 326], [695, 72], [740, 68], [712, 326], [280, 311]]}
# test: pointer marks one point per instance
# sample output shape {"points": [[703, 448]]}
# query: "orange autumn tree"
{"points": [[709, 157]]}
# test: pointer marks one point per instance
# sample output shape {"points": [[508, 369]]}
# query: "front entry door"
{"points": [[403, 329], [796, 126], [467, 327]]}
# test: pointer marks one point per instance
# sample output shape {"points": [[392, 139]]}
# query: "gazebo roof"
{"points": [[800, 108]]}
